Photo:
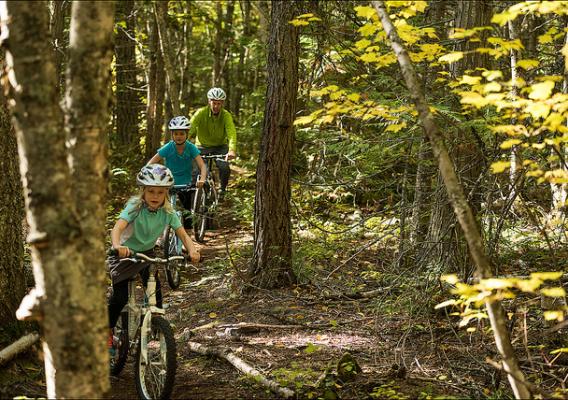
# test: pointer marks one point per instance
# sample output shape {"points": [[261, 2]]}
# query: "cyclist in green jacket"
{"points": [[215, 133]]}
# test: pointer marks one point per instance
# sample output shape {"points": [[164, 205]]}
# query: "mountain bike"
{"points": [[141, 325], [172, 245], [207, 198]]}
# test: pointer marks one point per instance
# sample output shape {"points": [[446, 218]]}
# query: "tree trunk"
{"points": [[449, 246], [59, 13], [240, 80], [228, 38], [458, 199], [68, 300], [161, 9], [12, 277], [127, 103], [156, 91], [87, 99], [271, 265]]}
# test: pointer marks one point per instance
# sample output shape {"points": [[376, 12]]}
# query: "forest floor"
{"points": [[306, 338]]}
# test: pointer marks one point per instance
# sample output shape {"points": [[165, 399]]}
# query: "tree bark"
{"points": [[12, 277], [240, 80], [156, 91], [88, 116], [459, 202], [161, 9], [449, 245], [271, 265], [127, 102], [59, 13], [67, 298]]}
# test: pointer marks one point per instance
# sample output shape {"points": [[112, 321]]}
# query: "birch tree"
{"points": [[66, 245], [459, 202]]}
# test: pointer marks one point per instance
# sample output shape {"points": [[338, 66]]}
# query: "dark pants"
{"points": [[119, 296], [186, 200], [224, 169]]}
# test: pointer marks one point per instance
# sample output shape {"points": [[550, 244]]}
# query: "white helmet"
{"points": [[216, 94], [155, 175], [178, 123]]}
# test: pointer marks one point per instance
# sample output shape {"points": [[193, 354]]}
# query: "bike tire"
{"points": [[120, 345], [200, 215], [172, 247], [156, 379], [212, 204]]}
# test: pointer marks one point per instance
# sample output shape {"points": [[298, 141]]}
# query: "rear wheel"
{"points": [[155, 379], [200, 215], [173, 248], [120, 344], [212, 203]]}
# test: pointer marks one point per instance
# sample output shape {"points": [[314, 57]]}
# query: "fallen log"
{"points": [[17, 347], [227, 354]]}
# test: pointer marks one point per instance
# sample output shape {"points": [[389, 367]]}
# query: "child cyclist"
{"points": [[178, 155], [138, 227]]}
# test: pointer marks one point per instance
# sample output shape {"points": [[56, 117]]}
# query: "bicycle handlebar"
{"points": [[140, 257], [222, 157]]}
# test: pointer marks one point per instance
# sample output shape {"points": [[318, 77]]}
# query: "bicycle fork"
{"points": [[148, 311]]}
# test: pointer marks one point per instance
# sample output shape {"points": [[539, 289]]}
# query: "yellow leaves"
{"points": [[544, 39], [500, 166], [369, 29], [362, 44], [451, 57], [553, 292], [304, 19], [366, 12], [470, 80], [473, 98], [354, 97], [491, 87], [538, 110], [504, 17], [370, 57], [212, 315], [546, 276], [554, 315], [557, 176], [305, 120], [395, 127], [492, 75], [527, 64], [298, 22], [507, 144], [541, 91]]}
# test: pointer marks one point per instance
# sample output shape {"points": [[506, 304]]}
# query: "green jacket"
{"points": [[210, 130]]}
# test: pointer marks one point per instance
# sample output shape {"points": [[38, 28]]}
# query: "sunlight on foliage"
{"points": [[471, 298]]}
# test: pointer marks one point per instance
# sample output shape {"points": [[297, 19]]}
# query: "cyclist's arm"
{"points": [[231, 135], [154, 160], [117, 230], [188, 243], [202, 171]]}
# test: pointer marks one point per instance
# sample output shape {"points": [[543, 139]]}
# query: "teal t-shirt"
{"points": [[144, 226], [179, 164]]}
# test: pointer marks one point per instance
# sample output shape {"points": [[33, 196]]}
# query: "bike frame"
{"points": [[140, 317]]}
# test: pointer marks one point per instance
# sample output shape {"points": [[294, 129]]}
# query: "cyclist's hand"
{"points": [[123, 251], [195, 256], [231, 155], [199, 184]]}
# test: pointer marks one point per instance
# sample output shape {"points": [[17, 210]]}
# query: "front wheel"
{"points": [[200, 215], [155, 379], [173, 248]]}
